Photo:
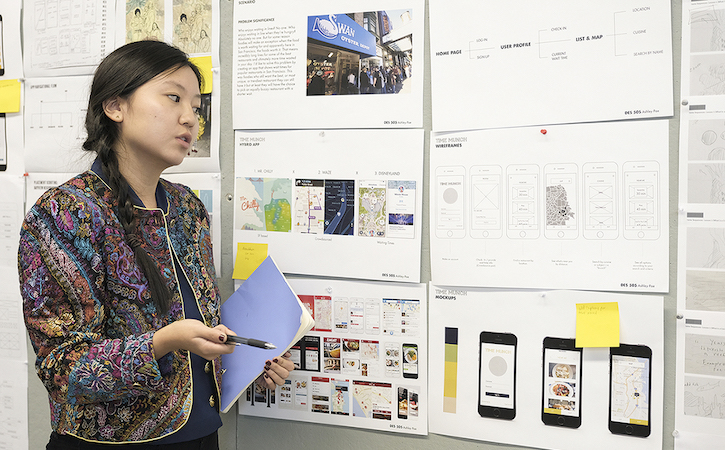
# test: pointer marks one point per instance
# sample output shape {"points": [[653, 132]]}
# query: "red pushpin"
{"points": [[543, 131]]}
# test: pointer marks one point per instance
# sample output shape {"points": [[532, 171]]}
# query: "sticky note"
{"points": [[597, 324], [204, 65], [9, 96], [249, 257]]}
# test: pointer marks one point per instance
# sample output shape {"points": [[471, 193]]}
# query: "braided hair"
{"points": [[118, 76]]}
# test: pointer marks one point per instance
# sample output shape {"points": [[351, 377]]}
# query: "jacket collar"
{"points": [[161, 200]]}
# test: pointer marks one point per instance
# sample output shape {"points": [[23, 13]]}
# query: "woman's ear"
{"points": [[112, 109]]}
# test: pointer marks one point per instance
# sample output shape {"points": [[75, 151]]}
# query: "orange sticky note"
{"points": [[9, 96], [204, 65], [597, 324], [249, 257]]}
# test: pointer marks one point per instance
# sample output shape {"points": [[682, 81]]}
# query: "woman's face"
{"points": [[159, 121]]}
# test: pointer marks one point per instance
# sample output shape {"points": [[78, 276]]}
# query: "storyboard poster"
{"points": [[495, 375], [524, 62], [364, 365], [332, 203], [328, 64], [579, 206], [700, 379]]}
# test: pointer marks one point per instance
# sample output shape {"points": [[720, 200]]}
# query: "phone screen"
{"points": [[3, 144], [630, 390], [402, 403], [2, 55], [497, 375], [449, 200], [410, 361], [562, 378]]}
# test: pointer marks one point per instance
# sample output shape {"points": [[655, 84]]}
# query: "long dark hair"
{"points": [[119, 75]]}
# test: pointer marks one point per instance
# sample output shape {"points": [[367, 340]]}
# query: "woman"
{"points": [[116, 271]]}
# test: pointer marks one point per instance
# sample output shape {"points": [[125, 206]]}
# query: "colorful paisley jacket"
{"points": [[89, 315]]}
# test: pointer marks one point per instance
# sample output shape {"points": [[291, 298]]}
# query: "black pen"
{"points": [[238, 340]]}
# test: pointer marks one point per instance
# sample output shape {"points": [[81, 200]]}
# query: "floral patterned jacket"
{"points": [[89, 315]]}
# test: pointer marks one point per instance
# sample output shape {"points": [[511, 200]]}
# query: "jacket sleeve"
{"points": [[62, 280]]}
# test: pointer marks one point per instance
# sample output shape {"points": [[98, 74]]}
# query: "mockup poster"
{"points": [[523, 62], [333, 202], [364, 365], [460, 384], [328, 64], [580, 206]]}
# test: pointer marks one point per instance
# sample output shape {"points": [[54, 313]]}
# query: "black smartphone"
{"points": [[630, 373], [402, 402], [410, 361], [3, 144], [497, 375], [2, 53], [561, 385]]}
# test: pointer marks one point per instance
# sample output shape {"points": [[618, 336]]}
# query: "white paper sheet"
{"points": [[531, 316], [66, 38], [341, 203], [699, 412], [54, 115], [362, 385], [503, 64], [280, 44], [563, 207], [14, 407], [11, 217]]}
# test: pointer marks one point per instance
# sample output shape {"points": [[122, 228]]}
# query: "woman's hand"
{"points": [[276, 371], [194, 336]]}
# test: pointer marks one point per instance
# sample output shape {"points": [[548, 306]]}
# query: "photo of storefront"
{"points": [[338, 48]]}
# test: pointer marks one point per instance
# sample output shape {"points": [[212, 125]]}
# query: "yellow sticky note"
{"points": [[597, 324], [204, 65], [249, 257], [9, 96]]}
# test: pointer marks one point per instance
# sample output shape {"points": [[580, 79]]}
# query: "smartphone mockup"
{"points": [[486, 202], [402, 402], [3, 144], [2, 50], [562, 205], [450, 204], [497, 375], [412, 403], [372, 216], [601, 205], [410, 360], [561, 386], [630, 374], [641, 200], [522, 193]]}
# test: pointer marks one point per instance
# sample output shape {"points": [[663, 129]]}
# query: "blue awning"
{"points": [[341, 31]]}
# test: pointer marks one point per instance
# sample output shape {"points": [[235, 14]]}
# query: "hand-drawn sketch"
{"points": [[706, 183], [706, 248], [704, 397], [192, 25], [705, 290], [707, 30], [707, 74], [144, 20], [706, 140]]}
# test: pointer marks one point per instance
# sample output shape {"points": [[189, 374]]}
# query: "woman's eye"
{"points": [[197, 111], [175, 98]]}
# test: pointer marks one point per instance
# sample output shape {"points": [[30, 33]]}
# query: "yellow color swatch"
{"points": [[249, 257], [597, 324], [204, 65], [10, 96]]}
